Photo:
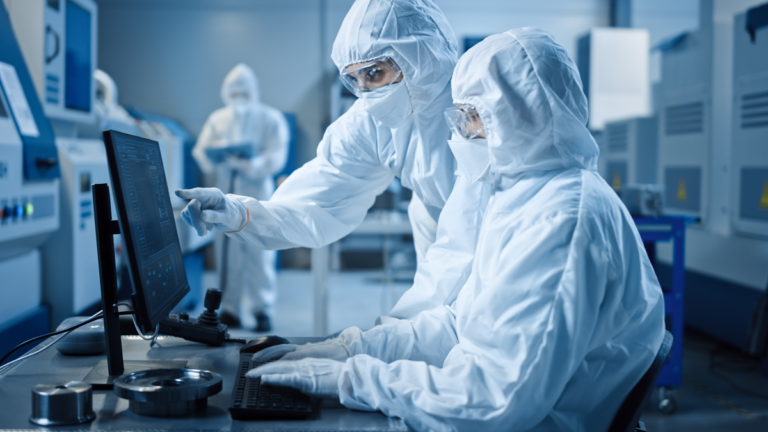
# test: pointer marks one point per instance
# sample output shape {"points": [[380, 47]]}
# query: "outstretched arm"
{"points": [[322, 201]]}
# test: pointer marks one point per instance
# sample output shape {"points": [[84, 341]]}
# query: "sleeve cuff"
{"points": [[247, 219]]}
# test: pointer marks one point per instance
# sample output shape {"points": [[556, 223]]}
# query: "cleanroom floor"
{"points": [[722, 390]]}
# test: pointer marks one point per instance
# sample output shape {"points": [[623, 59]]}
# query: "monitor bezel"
{"points": [[143, 317]]}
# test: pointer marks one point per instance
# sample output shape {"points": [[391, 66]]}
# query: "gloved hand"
{"points": [[329, 349], [242, 165], [311, 376], [210, 208]]}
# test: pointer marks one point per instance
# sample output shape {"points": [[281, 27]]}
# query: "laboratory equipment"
{"points": [[58, 39], [29, 193], [643, 199], [168, 392], [61, 404], [252, 400], [69, 282], [630, 151], [750, 124], [613, 64], [685, 118]]}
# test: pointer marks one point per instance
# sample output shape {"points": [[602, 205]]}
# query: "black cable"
{"points": [[229, 339], [8, 354]]}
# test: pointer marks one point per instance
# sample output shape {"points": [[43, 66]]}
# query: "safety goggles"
{"points": [[464, 121], [367, 76]]}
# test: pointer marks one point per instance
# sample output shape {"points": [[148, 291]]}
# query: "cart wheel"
{"points": [[667, 400]]}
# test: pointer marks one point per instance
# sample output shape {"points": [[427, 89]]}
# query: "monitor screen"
{"points": [[147, 225], [78, 77]]}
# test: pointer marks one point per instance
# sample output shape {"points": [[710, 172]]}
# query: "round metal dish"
{"points": [[59, 404], [168, 392]]}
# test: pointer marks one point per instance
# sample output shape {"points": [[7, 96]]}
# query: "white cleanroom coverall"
{"points": [[245, 120], [562, 312], [358, 157]]}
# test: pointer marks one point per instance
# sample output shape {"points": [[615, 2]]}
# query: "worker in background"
{"points": [[245, 120], [562, 313], [397, 56]]}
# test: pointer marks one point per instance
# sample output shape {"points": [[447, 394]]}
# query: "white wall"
{"points": [[170, 56], [566, 20]]}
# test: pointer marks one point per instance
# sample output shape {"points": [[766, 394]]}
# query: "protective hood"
{"points": [[105, 87], [395, 28], [529, 96], [240, 79]]}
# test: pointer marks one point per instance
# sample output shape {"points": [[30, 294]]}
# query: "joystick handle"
{"points": [[212, 299], [209, 316], [206, 329]]}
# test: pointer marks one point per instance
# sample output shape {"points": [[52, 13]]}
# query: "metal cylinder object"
{"points": [[59, 404], [168, 392]]}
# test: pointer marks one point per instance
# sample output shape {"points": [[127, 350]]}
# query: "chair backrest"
{"points": [[629, 413]]}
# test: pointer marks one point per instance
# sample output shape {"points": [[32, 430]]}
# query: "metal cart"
{"points": [[662, 229]]}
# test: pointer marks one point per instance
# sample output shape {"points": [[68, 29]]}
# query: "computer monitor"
{"points": [[145, 220], [147, 225]]}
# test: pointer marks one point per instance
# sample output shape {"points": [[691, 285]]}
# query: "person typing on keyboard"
{"points": [[562, 312]]}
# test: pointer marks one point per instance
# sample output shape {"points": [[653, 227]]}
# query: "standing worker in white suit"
{"points": [[245, 120], [397, 56]]}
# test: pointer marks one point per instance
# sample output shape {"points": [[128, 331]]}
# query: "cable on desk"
{"points": [[47, 345], [238, 340], [63, 333]]}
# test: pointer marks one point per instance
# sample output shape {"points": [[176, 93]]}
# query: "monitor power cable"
{"points": [[151, 338]]}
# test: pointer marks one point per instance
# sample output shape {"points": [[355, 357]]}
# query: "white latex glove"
{"points": [[311, 376], [329, 349], [210, 208], [239, 164]]}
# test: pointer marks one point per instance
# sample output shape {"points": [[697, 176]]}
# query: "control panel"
{"points": [[59, 41], [28, 209]]}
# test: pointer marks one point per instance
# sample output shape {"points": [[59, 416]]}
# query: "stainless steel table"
{"points": [[112, 413]]}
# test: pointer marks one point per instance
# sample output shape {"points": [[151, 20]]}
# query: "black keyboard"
{"points": [[252, 400]]}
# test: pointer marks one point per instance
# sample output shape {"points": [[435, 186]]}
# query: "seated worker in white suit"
{"points": [[562, 312]]}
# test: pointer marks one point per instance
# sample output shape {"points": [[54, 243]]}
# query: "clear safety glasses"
{"points": [[464, 121], [363, 77]]}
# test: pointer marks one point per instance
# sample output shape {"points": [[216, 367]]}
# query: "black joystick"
{"points": [[206, 329], [212, 302]]}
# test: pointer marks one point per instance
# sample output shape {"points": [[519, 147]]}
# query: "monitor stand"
{"points": [[105, 371]]}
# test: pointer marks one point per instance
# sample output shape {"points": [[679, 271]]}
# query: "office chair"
{"points": [[628, 416]]}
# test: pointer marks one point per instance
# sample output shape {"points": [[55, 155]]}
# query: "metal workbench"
{"points": [[112, 413]]}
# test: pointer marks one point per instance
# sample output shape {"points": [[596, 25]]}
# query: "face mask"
{"points": [[473, 158], [390, 104]]}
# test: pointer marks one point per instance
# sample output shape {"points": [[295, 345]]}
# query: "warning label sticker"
{"points": [[681, 195], [764, 196]]}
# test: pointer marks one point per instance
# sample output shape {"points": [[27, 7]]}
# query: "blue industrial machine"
{"points": [[29, 193]]}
